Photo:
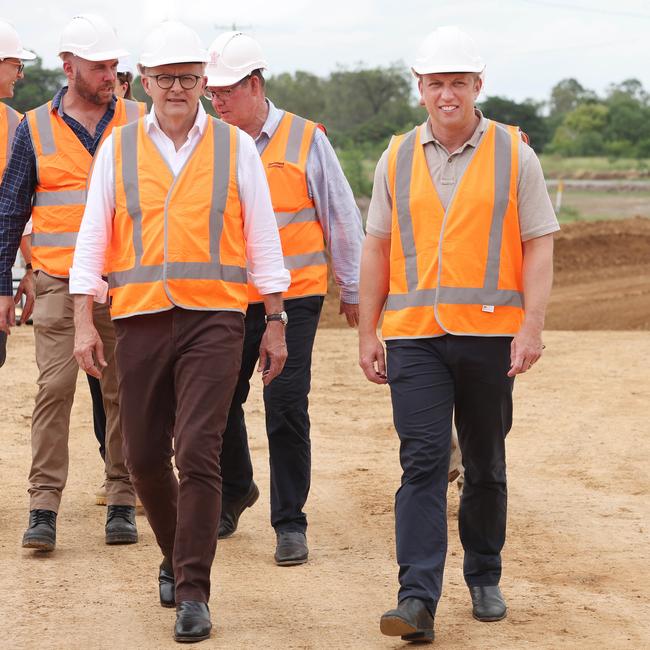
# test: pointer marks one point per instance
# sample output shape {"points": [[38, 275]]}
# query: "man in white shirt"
{"points": [[178, 208]]}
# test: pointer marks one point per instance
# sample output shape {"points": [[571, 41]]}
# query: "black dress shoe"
{"points": [[41, 532], [411, 620], [488, 603], [120, 525], [192, 621], [167, 584], [231, 511], [291, 548]]}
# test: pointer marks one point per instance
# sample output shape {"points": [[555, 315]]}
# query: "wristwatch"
{"points": [[281, 316]]}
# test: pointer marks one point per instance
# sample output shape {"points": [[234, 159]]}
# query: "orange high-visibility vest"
{"points": [[457, 271], [177, 240], [9, 121], [301, 235], [63, 165]]}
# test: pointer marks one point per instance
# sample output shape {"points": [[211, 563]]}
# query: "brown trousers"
{"points": [[177, 374], [54, 335]]}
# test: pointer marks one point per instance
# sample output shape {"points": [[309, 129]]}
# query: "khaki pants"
{"points": [[54, 334]]}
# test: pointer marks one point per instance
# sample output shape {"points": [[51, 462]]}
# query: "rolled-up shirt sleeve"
{"points": [[96, 228], [263, 249], [338, 214]]}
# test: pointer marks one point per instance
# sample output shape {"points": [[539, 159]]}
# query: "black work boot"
{"points": [[487, 603], [231, 511], [291, 548], [411, 620], [192, 621], [167, 584], [120, 525], [41, 532]]}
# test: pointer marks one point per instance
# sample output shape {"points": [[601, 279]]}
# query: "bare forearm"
{"points": [[83, 310], [273, 303], [537, 280], [374, 282], [26, 248]]}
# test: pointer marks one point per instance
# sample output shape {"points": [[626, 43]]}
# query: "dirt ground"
{"points": [[575, 563]]}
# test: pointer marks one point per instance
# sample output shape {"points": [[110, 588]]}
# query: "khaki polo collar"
{"points": [[426, 134]]}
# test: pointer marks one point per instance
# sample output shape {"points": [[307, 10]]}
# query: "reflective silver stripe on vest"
{"points": [[488, 294], [296, 131], [129, 141], [212, 270], [45, 133], [132, 110], [403, 172], [454, 296], [64, 197], [292, 262], [12, 124], [302, 216], [54, 239]]}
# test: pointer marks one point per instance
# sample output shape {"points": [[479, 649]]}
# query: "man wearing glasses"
{"points": [[179, 210], [12, 55], [46, 177], [313, 204]]}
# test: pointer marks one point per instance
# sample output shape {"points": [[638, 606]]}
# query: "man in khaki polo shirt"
{"points": [[459, 252]]}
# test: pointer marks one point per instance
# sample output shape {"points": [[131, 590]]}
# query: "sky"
{"points": [[528, 45]]}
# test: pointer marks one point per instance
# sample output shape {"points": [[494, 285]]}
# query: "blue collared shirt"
{"points": [[336, 208], [19, 182]]}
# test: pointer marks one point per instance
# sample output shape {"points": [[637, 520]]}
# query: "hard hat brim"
{"points": [[154, 62], [108, 55], [442, 69], [26, 55]]}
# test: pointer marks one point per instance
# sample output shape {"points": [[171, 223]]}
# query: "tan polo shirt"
{"points": [[536, 214]]}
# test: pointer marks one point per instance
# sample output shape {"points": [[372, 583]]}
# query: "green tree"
{"points": [[581, 132], [525, 115], [39, 86], [301, 93]]}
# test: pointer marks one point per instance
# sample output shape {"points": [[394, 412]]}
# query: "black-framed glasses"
{"points": [[166, 81], [20, 66], [224, 93]]}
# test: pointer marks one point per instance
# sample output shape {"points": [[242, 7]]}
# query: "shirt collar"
{"points": [[200, 122], [272, 120], [426, 134], [58, 99]]}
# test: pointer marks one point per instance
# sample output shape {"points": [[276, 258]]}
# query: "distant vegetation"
{"points": [[362, 107]]}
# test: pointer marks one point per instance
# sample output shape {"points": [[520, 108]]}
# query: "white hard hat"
{"points": [[90, 37], [448, 49], [172, 42], [233, 56], [10, 45]]}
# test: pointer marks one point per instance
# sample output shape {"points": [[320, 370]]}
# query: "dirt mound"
{"points": [[602, 278]]}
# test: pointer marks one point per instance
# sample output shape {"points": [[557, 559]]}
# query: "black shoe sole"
{"points": [[397, 626], [39, 543], [191, 639], [490, 619], [166, 604], [121, 538], [293, 561]]}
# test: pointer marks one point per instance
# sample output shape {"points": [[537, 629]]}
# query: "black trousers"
{"points": [[287, 418], [430, 379], [99, 414]]}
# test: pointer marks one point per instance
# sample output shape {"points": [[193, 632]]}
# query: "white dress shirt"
{"points": [[263, 250]]}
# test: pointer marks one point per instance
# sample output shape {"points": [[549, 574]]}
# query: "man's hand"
{"points": [[26, 288], [273, 351], [371, 352], [351, 312], [88, 345], [7, 313], [525, 349]]}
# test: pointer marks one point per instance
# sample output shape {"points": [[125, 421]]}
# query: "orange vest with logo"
{"points": [[9, 121], [63, 165], [177, 240], [457, 271], [301, 235]]}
